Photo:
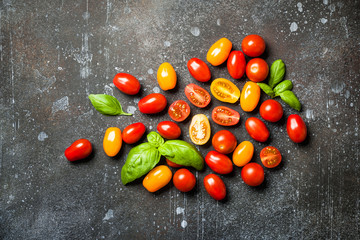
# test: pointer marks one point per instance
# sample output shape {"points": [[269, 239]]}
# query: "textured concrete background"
{"points": [[55, 53]]}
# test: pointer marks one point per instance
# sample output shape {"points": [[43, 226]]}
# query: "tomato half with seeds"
{"points": [[152, 103], [224, 141], [257, 129], [236, 64], [166, 76], [199, 70], [257, 70], [126, 83], [271, 110], [250, 96], [112, 141], [169, 130], [172, 164], [225, 116], [157, 178], [296, 128], [199, 129], [219, 52], [215, 187], [184, 180], [197, 95], [270, 157], [179, 110], [79, 149], [243, 153], [253, 174], [218, 162], [224, 90], [133, 133], [253, 45]]}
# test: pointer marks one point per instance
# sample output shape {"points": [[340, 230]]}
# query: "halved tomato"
{"points": [[179, 110], [225, 116], [197, 95], [224, 90], [270, 157], [200, 130]]}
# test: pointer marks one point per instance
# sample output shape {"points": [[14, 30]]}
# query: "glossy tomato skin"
{"points": [[199, 130], [199, 70], [179, 110], [157, 178], [126, 83], [253, 45], [224, 141], [253, 174], [133, 133], [152, 103], [197, 95], [250, 96], [243, 153], [225, 116], [184, 180], [166, 76], [219, 52], [257, 70], [112, 141], [172, 164], [78, 150], [219, 163], [168, 130], [257, 129], [270, 157], [236, 64], [271, 110], [215, 187], [224, 90], [296, 128]]}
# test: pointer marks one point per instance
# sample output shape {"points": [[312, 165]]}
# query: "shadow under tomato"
{"points": [[87, 159]]}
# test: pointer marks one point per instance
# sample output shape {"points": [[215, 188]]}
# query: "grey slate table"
{"points": [[55, 53]]}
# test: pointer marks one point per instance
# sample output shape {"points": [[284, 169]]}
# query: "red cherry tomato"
{"points": [[225, 116], [236, 64], [172, 164], [79, 149], [169, 130], [126, 83], [224, 141], [184, 180], [199, 70], [133, 133], [152, 103], [257, 70], [296, 128], [270, 157], [252, 174], [257, 129], [271, 110], [219, 163], [253, 45], [215, 187], [179, 110], [197, 95]]}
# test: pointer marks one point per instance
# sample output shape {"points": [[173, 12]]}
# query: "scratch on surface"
{"points": [[61, 104], [108, 9], [44, 83], [109, 215], [343, 22], [84, 57]]}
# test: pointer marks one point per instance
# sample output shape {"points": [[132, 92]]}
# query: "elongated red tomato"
{"points": [[199, 70], [225, 116], [236, 64], [169, 130], [218, 162], [257, 129], [152, 103], [79, 149], [172, 164], [197, 95], [270, 157], [215, 187], [126, 83], [133, 133], [179, 110], [296, 128], [253, 174], [184, 180]]}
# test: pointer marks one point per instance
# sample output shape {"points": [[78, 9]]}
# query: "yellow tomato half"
{"points": [[250, 96], [200, 130], [166, 76], [224, 90], [112, 141], [243, 153], [219, 52], [157, 178]]}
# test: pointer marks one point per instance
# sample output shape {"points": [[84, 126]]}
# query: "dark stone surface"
{"points": [[55, 53]]}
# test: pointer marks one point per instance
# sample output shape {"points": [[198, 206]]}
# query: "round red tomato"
{"points": [[179, 110], [219, 163], [270, 157], [271, 110], [225, 116], [184, 180], [79, 149], [133, 133], [296, 128], [199, 70], [224, 141], [253, 45], [215, 187], [169, 130], [126, 83], [172, 164], [252, 174], [236, 64], [197, 95], [257, 129], [257, 70], [152, 103]]}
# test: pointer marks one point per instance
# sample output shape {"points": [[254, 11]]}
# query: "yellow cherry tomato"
{"points": [[200, 130], [243, 153], [250, 96], [157, 178], [166, 76], [219, 52], [112, 141], [224, 90]]}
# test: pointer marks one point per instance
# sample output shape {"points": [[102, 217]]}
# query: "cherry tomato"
{"points": [[219, 52], [219, 163], [179, 110], [112, 141], [126, 83], [296, 128], [215, 187], [253, 45], [257, 129], [252, 174], [224, 141], [270, 157], [166, 76], [133, 133], [224, 90], [197, 95], [199, 70], [172, 164], [243, 153], [225, 116], [169, 130], [152, 103], [157, 178], [250, 96], [184, 180], [271, 110], [236, 64], [79, 149], [257, 70], [199, 129]]}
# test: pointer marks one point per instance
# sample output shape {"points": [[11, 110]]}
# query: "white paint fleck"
{"points": [[150, 71], [131, 109], [43, 83], [300, 7], [343, 22], [337, 87], [351, 104], [60, 68], [150, 127], [42, 136], [108, 90], [331, 102], [310, 114], [326, 2], [167, 44], [109, 215], [86, 15], [184, 224], [156, 89], [323, 20], [293, 27], [195, 31], [84, 57], [218, 22], [180, 210], [347, 94], [127, 10], [61, 104]]}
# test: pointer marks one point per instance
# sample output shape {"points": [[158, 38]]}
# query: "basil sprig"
{"points": [[277, 73], [107, 105]]}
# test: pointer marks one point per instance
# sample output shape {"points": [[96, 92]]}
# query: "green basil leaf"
{"points": [[277, 72], [282, 87], [267, 89], [290, 99], [107, 105], [182, 153], [140, 160], [155, 139]]}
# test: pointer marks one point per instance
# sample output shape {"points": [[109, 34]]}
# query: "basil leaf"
{"points": [[267, 89], [290, 99], [155, 139], [282, 87], [140, 160], [277, 72], [182, 153], [107, 105]]}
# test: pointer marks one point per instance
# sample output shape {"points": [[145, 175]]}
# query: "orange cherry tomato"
{"points": [[224, 90], [257, 70], [243, 153], [219, 52], [112, 141], [157, 178], [166, 76], [270, 157], [250, 96], [200, 130]]}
